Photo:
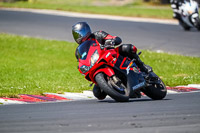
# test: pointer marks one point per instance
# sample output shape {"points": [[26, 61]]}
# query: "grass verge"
{"points": [[135, 9], [34, 66]]}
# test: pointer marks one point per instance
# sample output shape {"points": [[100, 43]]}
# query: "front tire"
{"points": [[102, 82], [197, 23]]}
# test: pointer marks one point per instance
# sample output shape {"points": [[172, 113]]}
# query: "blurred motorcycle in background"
{"points": [[188, 14]]}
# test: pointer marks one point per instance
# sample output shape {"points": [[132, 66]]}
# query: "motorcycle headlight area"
{"points": [[84, 68], [94, 57]]}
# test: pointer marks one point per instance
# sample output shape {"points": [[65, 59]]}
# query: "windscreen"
{"points": [[83, 49]]}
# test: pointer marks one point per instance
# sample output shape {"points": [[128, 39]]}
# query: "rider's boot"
{"points": [[98, 93], [143, 67], [148, 71]]}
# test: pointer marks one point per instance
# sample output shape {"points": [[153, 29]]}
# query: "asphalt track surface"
{"points": [[152, 36], [177, 113]]}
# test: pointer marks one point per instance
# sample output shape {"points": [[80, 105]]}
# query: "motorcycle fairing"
{"points": [[130, 69], [108, 57], [86, 50], [126, 65]]}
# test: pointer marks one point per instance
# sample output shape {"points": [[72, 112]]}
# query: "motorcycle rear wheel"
{"points": [[156, 91], [102, 82], [185, 26]]}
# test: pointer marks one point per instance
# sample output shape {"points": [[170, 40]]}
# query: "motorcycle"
{"points": [[117, 76], [189, 13]]}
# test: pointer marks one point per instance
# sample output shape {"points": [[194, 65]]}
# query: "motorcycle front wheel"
{"points": [[157, 90], [198, 25], [104, 83]]}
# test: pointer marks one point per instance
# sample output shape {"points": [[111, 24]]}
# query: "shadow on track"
{"points": [[131, 100]]}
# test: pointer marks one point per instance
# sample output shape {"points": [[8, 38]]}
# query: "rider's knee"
{"points": [[127, 49]]}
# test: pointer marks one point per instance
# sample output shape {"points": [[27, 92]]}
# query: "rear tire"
{"points": [[185, 26], [156, 91], [108, 89]]}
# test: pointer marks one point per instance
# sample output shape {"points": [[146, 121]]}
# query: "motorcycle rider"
{"points": [[175, 4], [81, 32]]}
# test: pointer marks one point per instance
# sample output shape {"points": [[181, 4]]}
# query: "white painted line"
{"points": [[78, 96], [172, 92], [194, 85], [95, 16], [6, 101], [88, 93], [61, 95], [74, 96]]}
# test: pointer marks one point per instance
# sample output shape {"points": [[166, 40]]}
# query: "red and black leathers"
{"points": [[126, 50], [107, 40]]}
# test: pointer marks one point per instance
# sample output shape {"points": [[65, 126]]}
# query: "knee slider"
{"points": [[127, 49]]}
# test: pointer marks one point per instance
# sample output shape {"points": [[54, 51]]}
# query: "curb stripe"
{"points": [[68, 96], [17, 99], [182, 89], [36, 98], [56, 97]]}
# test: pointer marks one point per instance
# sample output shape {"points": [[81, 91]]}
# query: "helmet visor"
{"points": [[81, 32]]}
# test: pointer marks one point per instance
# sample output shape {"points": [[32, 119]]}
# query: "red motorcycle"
{"points": [[117, 76]]}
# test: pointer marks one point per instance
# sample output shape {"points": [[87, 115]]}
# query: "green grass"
{"points": [[34, 66], [135, 9]]}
